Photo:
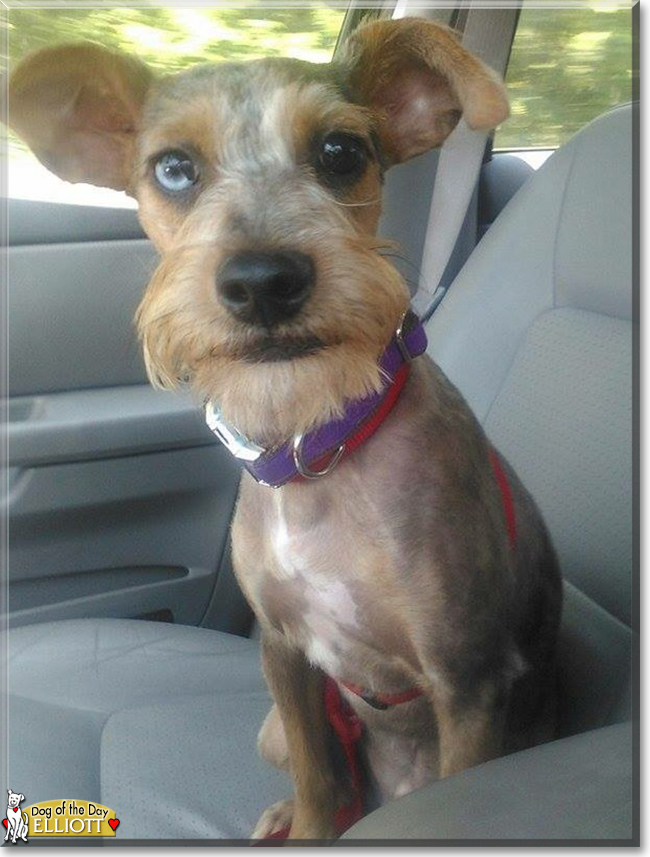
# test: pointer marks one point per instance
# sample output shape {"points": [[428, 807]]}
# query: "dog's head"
{"points": [[260, 184], [14, 798]]}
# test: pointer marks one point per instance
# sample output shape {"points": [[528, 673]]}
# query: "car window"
{"points": [[567, 66], [169, 39]]}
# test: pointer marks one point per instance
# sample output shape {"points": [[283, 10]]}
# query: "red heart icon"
{"points": [[113, 822], [4, 821]]}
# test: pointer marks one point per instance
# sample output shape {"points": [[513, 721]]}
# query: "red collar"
{"points": [[369, 427]]}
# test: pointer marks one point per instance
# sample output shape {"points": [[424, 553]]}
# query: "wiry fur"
{"points": [[395, 570], [266, 195], [186, 332]]}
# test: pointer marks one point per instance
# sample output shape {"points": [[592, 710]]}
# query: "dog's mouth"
{"points": [[273, 349]]}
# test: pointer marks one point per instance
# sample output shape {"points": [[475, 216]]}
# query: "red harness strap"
{"points": [[343, 720], [348, 729], [506, 496], [382, 700]]}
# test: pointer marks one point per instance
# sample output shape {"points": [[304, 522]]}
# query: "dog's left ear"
{"points": [[78, 108], [22, 797], [420, 80]]}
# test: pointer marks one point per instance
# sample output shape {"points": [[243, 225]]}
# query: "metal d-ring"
{"points": [[303, 469], [399, 339]]}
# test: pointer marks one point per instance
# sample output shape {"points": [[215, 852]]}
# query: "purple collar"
{"points": [[297, 457]]}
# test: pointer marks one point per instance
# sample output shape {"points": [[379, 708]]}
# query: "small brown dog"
{"points": [[401, 561]]}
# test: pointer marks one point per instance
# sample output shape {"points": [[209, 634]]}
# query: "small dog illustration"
{"points": [[17, 825], [402, 577]]}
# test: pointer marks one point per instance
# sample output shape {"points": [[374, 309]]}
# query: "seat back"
{"points": [[536, 332]]}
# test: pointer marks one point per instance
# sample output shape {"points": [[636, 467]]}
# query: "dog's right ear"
{"points": [[419, 80], [78, 107]]}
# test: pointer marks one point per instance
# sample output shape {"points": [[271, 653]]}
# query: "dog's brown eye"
{"points": [[176, 172], [343, 155]]}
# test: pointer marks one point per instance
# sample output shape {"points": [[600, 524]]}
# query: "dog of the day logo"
{"points": [[66, 817], [16, 820]]}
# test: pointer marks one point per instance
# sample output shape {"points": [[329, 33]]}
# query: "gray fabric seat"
{"points": [[536, 332], [159, 722]]}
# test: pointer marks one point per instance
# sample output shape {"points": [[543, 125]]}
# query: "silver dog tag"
{"points": [[234, 441]]}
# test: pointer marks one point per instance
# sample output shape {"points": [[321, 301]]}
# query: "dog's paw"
{"points": [[275, 818], [272, 741]]}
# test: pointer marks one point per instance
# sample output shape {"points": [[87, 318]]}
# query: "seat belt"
{"points": [[488, 32], [459, 164]]}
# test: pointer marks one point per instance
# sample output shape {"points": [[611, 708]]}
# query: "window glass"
{"points": [[567, 66], [169, 39]]}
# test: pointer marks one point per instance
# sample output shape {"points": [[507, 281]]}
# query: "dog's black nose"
{"points": [[265, 288]]}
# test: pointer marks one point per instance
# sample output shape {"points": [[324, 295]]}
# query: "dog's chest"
{"points": [[319, 584], [309, 591]]}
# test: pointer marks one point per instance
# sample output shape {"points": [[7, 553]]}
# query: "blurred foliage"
{"points": [[173, 38], [566, 67]]}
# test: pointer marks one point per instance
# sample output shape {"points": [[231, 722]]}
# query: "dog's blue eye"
{"points": [[342, 155], [176, 172]]}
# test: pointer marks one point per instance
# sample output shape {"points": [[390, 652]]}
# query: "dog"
{"points": [[399, 569], [16, 820]]}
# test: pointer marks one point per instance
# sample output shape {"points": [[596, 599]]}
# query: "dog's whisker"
{"points": [[413, 284], [358, 204]]}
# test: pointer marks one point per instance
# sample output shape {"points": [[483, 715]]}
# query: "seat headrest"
{"points": [[593, 252]]}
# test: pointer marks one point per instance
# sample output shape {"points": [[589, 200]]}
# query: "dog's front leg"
{"points": [[470, 726], [298, 692]]}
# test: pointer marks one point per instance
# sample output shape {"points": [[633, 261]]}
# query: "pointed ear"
{"points": [[420, 80], [78, 107]]}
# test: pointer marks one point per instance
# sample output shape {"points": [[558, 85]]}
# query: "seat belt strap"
{"points": [[458, 169], [486, 33]]}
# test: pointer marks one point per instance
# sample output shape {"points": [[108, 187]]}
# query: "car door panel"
{"points": [[120, 537], [71, 308], [120, 498], [109, 422], [33, 223]]}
